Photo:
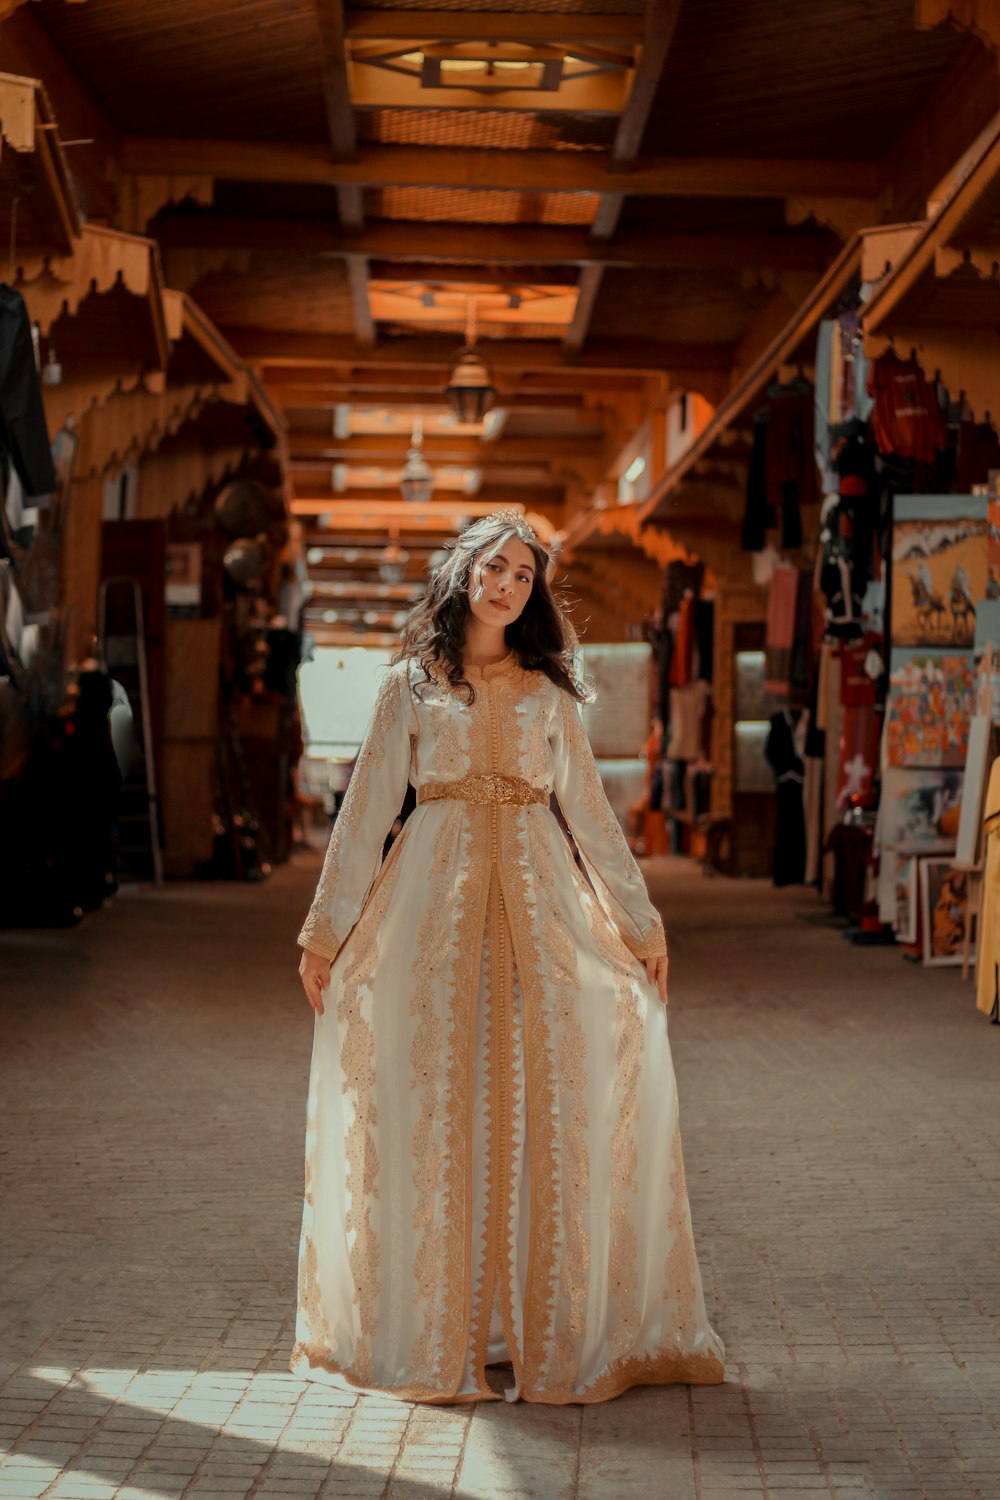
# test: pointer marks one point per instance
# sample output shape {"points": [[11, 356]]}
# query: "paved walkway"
{"points": [[842, 1136]]}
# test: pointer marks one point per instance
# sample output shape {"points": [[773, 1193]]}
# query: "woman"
{"points": [[493, 1162]]}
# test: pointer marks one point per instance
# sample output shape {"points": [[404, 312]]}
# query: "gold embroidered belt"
{"points": [[489, 789]]}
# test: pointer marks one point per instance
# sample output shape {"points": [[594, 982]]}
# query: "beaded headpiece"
{"points": [[514, 518]]}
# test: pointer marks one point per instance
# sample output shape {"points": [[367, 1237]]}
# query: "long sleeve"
{"points": [[373, 799], [616, 877]]}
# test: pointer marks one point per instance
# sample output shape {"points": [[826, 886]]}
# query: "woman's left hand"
{"points": [[656, 970]]}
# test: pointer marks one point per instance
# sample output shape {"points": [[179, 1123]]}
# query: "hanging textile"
{"points": [[758, 517], [801, 664], [785, 749], [858, 487], [862, 723], [704, 638], [791, 459], [24, 436], [906, 418], [978, 453], [781, 607], [682, 661], [688, 706]]}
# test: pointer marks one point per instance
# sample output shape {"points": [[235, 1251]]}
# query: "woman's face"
{"points": [[500, 586]]}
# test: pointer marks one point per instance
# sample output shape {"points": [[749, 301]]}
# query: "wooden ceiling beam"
{"points": [[344, 141], [491, 26], [587, 289], [496, 245], [269, 347], [515, 171], [501, 275], [337, 393], [357, 281], [316, 502], [390, 448], [661, 23], [372, 382]]}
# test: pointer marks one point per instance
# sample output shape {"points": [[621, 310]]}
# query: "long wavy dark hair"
{"points": [[542, 635]]}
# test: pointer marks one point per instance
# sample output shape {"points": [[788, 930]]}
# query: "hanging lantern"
{"points": [[417, 478], [392, 563], [470, 387]]}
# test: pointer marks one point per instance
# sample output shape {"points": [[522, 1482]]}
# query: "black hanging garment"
{"points": [[758, 516], [24, 436], [859, 500], [791, 458], [789, 775]]}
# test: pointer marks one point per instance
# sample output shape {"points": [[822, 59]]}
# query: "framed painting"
{"points": [[944, 910], [919, 808], [931, 703], [939, 569]]}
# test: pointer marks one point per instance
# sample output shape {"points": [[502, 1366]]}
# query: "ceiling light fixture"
{"points": [[417, 478], [470, 387]]}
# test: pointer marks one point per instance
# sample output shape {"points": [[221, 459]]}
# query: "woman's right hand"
{"points": [[314, 971]]}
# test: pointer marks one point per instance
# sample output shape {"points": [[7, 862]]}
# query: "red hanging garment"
{"points": [[907, 419]]}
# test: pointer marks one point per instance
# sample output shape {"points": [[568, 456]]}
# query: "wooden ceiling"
{"points": [[633, 196]]}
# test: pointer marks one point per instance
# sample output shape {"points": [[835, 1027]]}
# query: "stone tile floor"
{"points": [[842, 1137]]}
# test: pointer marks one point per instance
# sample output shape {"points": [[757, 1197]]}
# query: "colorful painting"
{"points": [[931, 703], [944, 910], [919, 808], [939, 570]]}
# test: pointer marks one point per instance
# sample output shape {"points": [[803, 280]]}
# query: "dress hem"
{"points": [[672, 1369]]}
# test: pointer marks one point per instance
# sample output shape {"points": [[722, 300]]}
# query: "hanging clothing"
{"points": [[801, 662], [758, 517], [682, 661], [687, 718], [678, 579], [704, 638], [784, 750], [858, 487], [493, 1158], [988, 934], [978, 453], [780, 636], [836, 575], [907, 420], [791, 459], [861, 728], [24, 436]]}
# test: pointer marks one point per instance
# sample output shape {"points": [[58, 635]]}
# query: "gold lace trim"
{"points": [[570, 1059]]}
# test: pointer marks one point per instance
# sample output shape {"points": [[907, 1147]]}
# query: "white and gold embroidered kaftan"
{"points": [[493, 1158]]}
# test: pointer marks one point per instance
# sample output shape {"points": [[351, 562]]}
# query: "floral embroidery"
{"points": [[357, 1061], [320, 931], [598, 835], [571, 1072]]}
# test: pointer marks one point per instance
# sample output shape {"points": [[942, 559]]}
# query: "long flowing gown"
{"points": [[493, 1156]]}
